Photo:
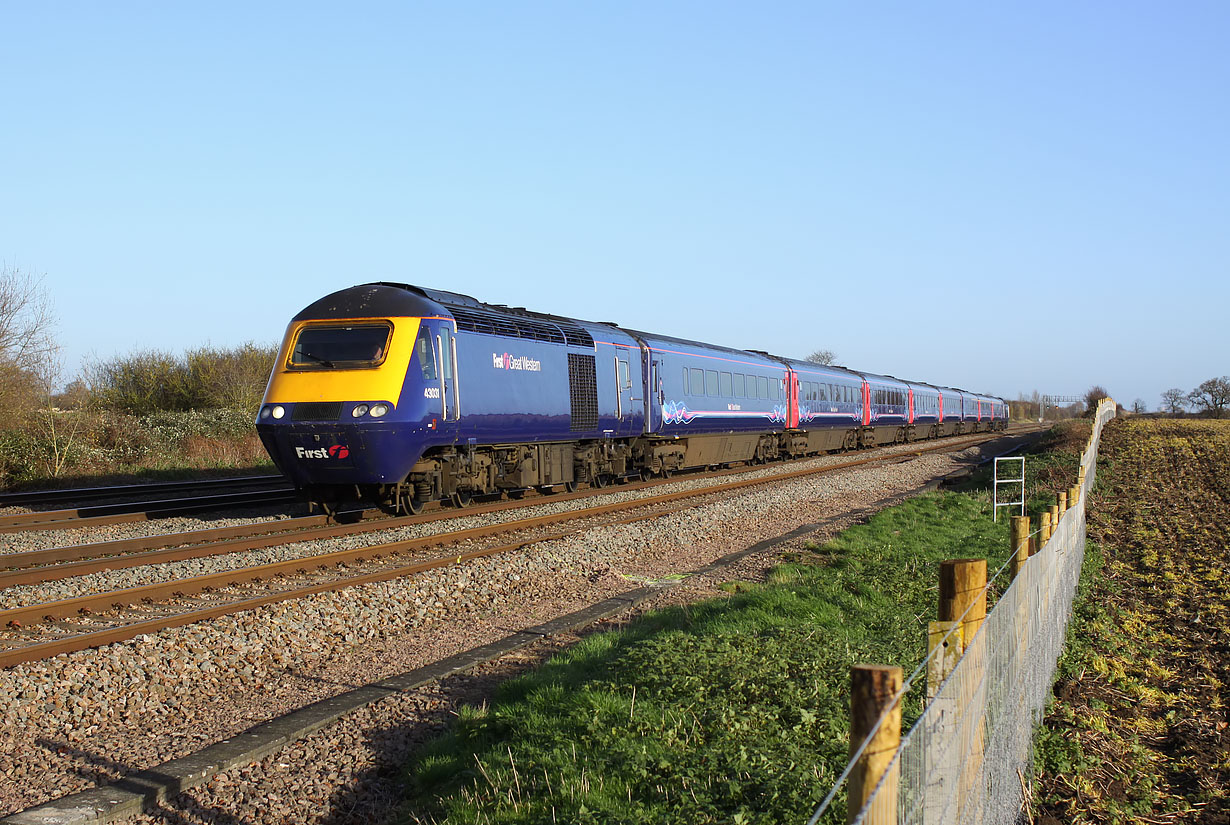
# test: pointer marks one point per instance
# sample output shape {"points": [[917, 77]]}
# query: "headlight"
{"points": [[359, 411], [379, 410], [279, 411], [264, 412]]}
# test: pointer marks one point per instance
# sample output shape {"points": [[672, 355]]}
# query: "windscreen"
{"points": [[340, 347]]}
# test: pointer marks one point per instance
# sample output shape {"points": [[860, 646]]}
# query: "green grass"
{"points": [[731, 710]]}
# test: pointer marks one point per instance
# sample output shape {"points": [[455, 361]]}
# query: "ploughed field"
{"points": [[1139, 729]]}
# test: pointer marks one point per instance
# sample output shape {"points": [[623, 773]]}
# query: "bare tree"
{"points": [[821, 356], [1174, 401], [1093, 395], [28, 350], [1139, 406], [62, 430], [1213, 396]]}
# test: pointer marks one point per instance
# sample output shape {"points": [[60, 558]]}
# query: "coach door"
{"points": [[628, 402]]}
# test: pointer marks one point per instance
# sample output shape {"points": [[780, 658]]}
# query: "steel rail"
{"points": [[20, 617], [25, 497], [105, 514]]}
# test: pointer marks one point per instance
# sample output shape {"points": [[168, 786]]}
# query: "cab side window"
{"points": [[426, 354]]}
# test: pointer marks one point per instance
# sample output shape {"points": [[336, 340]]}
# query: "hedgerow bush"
{"points": [[167, 429], [68, 444], [147, 381], [146, 411], [19, 456]]}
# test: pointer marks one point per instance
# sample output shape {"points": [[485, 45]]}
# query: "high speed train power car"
{"points": [[397, 395]]}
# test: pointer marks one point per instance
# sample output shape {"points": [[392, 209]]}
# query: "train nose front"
{"points": [[332, 413], [336, 451]]}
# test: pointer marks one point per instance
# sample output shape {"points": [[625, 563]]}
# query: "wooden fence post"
{"points": [[942, 760], [1074, 495], [963, 582], [873, 688], [963, 597], [1061, 501], [1020, 544]]}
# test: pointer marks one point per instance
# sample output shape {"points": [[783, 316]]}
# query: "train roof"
{"points": [[830, 369], [701, 345], [368, 300], [389, 298], [496, 319]]}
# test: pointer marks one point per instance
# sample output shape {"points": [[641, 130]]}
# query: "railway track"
{"points": [[77, 495], [128, 511], [37, 631]]}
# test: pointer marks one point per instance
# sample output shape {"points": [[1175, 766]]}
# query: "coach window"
{"points": [[698, 382], [727, 384], [685, 381], [762, 387], [740, 385], [711, 382]]}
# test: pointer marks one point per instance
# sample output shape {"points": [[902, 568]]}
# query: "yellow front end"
{"points": [[383, 380]]}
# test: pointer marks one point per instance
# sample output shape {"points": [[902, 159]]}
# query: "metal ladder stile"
{"points": [[1020, 481]]}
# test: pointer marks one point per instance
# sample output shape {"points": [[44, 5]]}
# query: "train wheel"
{"points": [[411, 506], [461, 499], [570, 486], [601, 480]]}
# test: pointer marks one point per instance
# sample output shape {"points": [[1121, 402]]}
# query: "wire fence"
{"points": [[966, 761]]}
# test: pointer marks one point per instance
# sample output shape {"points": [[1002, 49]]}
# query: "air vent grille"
{"points": [[317, 411], [583, 392], [531, 329]]}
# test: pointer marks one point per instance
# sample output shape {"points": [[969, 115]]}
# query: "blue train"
{"points": [[399, 395]]}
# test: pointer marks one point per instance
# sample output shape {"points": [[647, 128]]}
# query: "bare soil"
{"points": [[1138, 732]]}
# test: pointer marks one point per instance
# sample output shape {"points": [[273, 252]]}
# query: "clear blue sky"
{"points": [[1005, 198]]}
